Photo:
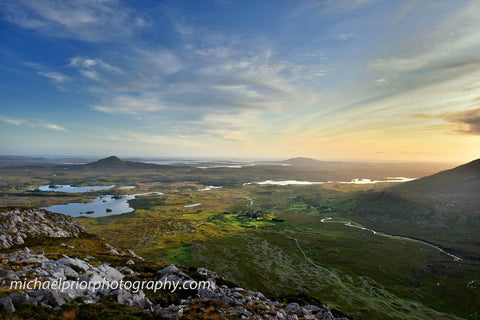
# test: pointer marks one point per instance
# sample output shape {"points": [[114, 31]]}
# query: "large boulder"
{"points": [[17, 225]]}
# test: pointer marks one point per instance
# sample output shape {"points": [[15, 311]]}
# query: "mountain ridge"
{"points": [[443, 208], [459, 186], [114, 162]]}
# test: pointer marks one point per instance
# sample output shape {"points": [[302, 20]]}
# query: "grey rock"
{"points": [[23, 272], [21, 297], [7, 304], [280, 314], [138, 300], [312, 308], [126, 270], [89, 257], [206, 273], [292, 307], [124, 297], [76, 264], [236, 295], [133, 254], [206, 293], [53, 298], [325, 314], [173, 278], [227, 301], [69, 272], [171, 269], [20, 224], [40, 272], [112, 249], [109, 273], [19, 240], [170, 313], [141, 301], [5, 273], [242, 311]]}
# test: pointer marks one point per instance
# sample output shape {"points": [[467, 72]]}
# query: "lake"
{"points": [[98, 207], [354, 181]]}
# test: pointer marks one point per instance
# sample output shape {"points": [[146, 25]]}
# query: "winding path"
{"points": [[316, 265], [349, 224]]}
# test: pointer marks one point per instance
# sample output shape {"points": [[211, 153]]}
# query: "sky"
{"points": [[326, 79]]}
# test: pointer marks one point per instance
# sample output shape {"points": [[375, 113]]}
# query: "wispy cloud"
{"points": [[453, 40], [468, 120], [431, 75], [170, 141], [204, 83], [29, 123], [86, 63], [130, 105], [91, 68], [205, 76], [88, 20], [345, 36], [54, 76], [463, 122], [329, 7]]}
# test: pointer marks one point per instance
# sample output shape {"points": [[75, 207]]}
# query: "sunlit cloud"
{"points": [[463, 122], [130, 105], [324, 78]]}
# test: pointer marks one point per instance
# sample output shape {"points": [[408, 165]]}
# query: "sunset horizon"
{"points": [[352, 80]]}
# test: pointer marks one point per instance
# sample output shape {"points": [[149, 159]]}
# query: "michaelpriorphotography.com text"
{"points": [[133, 286]]}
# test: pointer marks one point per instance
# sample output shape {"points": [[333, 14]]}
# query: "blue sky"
{"points": [[353, 79]]}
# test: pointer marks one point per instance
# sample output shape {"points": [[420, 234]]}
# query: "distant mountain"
{"points": [[114, 162], [443, 208], [458, 187], [303, 162], [21, 161]]}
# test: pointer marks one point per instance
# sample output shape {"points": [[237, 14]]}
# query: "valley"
{"points": [[274, 238]]}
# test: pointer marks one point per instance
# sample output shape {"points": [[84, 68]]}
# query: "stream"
{"points": [[349, 224]]}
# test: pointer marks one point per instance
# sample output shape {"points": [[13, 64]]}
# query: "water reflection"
{"points": [[99, 207]]}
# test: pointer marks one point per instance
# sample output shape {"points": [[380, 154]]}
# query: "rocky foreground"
{"points": [[17, 225], [222, 300]]}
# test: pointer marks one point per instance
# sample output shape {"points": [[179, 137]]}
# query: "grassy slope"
{"points": [[263, 254], [231, 243], [443, 208]]}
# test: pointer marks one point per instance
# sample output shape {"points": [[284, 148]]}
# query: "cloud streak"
{"points": [[465, 122], [32, 124], [54, 76], [87, 20]]}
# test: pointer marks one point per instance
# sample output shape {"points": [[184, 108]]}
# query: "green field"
{"points": [[270, 238]]}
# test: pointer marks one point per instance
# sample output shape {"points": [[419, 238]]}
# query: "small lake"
{"points": [[192, 205], [354, 181], [99, 207], [70, 188]]}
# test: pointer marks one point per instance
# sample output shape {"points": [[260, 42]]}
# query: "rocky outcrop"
{"points": [[230, 302], [67, 271], [215, 299], [17, 225]]}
